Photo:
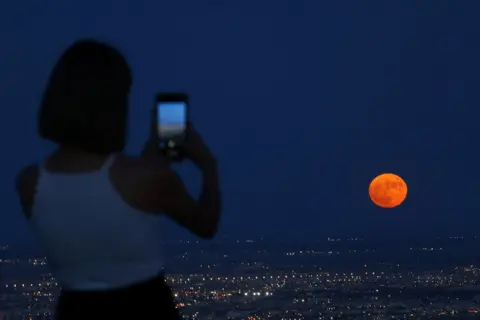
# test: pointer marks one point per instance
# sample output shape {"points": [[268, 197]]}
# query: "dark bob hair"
{"points": [[85, 103]]}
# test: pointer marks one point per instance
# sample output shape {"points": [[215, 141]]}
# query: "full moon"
{"points": [[388, 190]]}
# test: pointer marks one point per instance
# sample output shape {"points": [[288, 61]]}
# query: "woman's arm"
{"points": [[156, 188]]}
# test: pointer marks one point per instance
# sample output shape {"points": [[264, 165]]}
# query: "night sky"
{"points": [[303, 102]]}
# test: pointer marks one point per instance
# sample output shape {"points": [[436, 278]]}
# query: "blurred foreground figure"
{"points": [[98, 213]]}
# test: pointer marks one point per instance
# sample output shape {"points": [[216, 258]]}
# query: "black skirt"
{"points": [[151, 299]]}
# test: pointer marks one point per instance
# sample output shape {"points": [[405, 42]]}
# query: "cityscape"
{"points": [[334, 278]]}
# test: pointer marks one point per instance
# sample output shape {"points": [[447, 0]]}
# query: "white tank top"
{"points": [[93, 240]]}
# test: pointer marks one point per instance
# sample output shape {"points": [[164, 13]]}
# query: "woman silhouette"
{"points": [[96, 212]]}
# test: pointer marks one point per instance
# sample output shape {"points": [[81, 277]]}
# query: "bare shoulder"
{"points": [[139, 168], [25, 185], [140, 180]]}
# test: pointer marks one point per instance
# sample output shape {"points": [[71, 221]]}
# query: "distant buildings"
{"points": [[257, 283]]}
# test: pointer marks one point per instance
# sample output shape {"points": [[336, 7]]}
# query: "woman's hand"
{"points": [[196, 150]]}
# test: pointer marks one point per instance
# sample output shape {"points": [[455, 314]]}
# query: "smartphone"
{"points": [[172, 118]]}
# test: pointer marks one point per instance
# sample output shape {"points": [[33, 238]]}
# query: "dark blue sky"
{"points": [[303, 101]]}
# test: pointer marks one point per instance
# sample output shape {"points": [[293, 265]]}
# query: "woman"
{"points": [[97, 213]]}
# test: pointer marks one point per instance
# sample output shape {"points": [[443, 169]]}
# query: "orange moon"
{"points": [[388, 190]]}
